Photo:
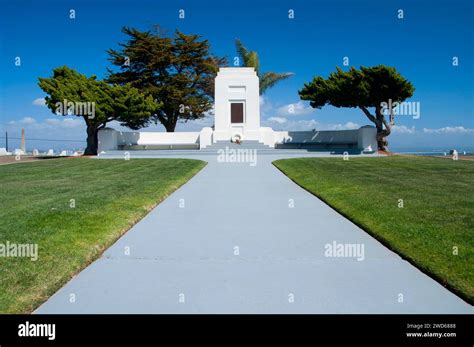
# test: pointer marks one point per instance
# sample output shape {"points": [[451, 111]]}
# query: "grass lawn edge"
{"points": [[122, 232], [385, 242]]}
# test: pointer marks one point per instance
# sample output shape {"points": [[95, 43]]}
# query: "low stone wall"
{"points": [[315, 137], [156, 138], [111, 139], [363, 139]]}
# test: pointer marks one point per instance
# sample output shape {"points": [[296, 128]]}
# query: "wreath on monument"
{"points": [[236, 139]]}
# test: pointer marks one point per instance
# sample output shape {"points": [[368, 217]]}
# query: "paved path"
{"points": [[184, 259]]}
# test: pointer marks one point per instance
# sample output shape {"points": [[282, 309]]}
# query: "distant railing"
{"points": [[6, 138]]}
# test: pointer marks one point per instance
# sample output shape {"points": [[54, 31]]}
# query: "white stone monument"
{"points": [[237, 104], [237, 118]]}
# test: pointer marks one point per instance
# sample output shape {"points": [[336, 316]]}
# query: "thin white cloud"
{"points": [[49, 123], [23, 121], [282, 123], [299, 108], [28, 120], [292, 125], [449, 130], [403, 129], [65, 122], [39, 102], [279, 120], [346, 126], [306, 124]]}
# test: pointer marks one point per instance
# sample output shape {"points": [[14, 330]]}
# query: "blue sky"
{"points": [[421, 46]]}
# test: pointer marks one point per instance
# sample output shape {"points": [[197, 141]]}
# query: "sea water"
{"points": [[432, 151]]}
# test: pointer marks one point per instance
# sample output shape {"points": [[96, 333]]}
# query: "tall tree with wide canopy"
{"points": [[67, 89], [250, 59], [364, 88], [177, 71]]}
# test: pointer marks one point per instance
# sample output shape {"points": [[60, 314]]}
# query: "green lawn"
{"points": [[438, 199], [35, 207]]}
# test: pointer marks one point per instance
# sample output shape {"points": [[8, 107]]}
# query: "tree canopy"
{"points": [[364, 88], [177, 71], [97, 102]]}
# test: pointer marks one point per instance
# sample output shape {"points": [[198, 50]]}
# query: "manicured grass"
{"points": [[437, 213], [35, 207]]}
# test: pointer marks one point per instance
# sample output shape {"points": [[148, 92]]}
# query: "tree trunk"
{"points": [[92, 140], [382, 141], [379, 121], [383, 130], [170, 126]]}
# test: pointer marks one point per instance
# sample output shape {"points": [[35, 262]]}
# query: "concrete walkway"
{"points": [[229, 241]]}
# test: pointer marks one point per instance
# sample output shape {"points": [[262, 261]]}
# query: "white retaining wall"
{"points": [[332, 136], [156, 138], [110, 139], [365, 138]]}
